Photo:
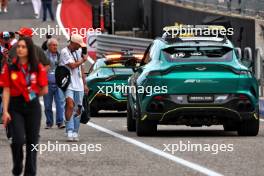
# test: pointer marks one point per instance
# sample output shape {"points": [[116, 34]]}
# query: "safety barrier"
{"points": [[113, 43]]}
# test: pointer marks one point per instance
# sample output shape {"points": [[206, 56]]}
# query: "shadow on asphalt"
{"points": [[186, 133], [191, 132], [195, 133], [110, 114]]}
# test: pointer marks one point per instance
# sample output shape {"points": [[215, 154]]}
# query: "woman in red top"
{"points": [[23, 81]]}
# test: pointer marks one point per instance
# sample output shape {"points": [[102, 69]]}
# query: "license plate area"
{"points": [[200, 98]]}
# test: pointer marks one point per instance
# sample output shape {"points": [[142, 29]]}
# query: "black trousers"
{"points": [[25, 126], [47, 6]]}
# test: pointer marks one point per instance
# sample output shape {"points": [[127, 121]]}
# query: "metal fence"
{"points": [[113, 43], [254, 8]]}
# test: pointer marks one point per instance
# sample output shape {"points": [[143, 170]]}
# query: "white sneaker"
{"points": [[22, 2], [75, 136], [37, 16], [5, 10], [70, 136]]}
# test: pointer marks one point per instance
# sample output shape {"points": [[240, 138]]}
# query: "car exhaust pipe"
{"points": [[154, 106], [248, 105], [241, 105], [160, 106]]}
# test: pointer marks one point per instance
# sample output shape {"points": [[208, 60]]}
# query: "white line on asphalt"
{"points": [[156, 151], [58, 17]]}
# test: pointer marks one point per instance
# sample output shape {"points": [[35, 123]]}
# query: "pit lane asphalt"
{"points": [[119, 157]]}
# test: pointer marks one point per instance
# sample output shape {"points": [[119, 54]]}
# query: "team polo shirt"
{"points": [[15, 79]]}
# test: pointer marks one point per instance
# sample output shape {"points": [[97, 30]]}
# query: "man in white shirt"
{"points": [[71, 57]]}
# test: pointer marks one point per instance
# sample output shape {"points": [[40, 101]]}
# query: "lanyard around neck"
{"points": [[26, 74], [72, 53]]}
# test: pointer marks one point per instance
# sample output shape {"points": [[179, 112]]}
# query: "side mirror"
{"points": [[247, 59]]}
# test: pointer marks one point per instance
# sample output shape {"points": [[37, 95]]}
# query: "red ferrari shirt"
{"points": [[16, 80]]}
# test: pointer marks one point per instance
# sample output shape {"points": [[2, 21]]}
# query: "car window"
{"points": [[147, 55], [198, 53], [99, 63]]}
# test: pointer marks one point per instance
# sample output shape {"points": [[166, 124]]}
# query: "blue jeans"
{"points": [[74, 123], [57, 94]]}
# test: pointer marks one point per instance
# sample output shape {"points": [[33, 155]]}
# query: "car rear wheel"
{"points": [[249, 127], [131, 123], [93, 112], [145, 127]]}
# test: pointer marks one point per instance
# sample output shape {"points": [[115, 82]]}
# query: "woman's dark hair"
{"points": [[32, 59]]}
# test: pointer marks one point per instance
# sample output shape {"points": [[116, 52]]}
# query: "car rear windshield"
{"points": [[198, 54], [117, 70]]}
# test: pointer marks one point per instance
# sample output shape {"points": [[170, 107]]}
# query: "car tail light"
{"points": [[113, 56], [243, 97], [138, 56]]}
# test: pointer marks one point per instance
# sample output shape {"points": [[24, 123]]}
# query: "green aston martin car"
{"points": [[193, 81], [107, 80]]}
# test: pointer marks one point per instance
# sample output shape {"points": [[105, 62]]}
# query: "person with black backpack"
{"points": [[73, 58], [54, 91]]}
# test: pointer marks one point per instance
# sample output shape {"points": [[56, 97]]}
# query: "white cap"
{"points": [[76, 38]]}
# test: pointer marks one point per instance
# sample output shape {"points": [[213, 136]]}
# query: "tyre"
{"points": [[249, 127], [145, 127], [93, 112], [131, 123]]}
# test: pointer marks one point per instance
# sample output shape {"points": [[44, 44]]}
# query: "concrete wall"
{"points": [[259, 35], [128, 13]]}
